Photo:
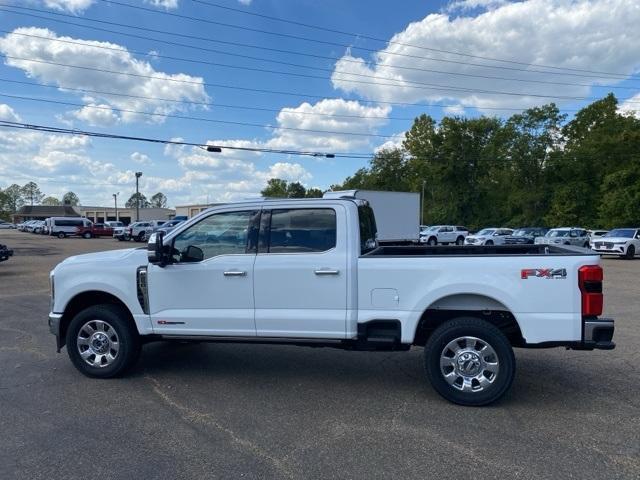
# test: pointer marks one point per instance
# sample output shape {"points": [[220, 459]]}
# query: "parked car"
{"points": [[168, 226], [33, 226], [565, 236], [489, 236], [624, 242], [23, 226], [38, 227], [139, 231], [62, 227], [114, 224], [444, 235], [309, 272], [593, 234], [525, 236], [94, 230], [6, 225], [5, 253]]}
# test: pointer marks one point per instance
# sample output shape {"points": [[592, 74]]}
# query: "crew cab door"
{"points": [[208, 290], [300, 273]]}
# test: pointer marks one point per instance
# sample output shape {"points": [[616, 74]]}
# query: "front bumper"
{"points": [[615, 250], [54, 327]]}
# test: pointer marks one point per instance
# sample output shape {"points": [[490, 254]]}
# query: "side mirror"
{"points": [[155, 250], [193, 254]]}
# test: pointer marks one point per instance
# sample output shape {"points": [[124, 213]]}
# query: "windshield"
{"points": [[622, 232], [486, 231], [431, 229], [558, 233], [523, 232]]}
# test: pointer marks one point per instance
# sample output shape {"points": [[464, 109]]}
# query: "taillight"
{"points": [[590, 283]]}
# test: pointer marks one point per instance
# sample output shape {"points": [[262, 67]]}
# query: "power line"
{"points": [[390, 42], [243, 107], [332, 71], [336, 44], [199, 119], [71, 131], [469, 90], [276, 50]]}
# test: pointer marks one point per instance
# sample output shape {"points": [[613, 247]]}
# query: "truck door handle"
{"points": [[324, 271], [234, 273]]}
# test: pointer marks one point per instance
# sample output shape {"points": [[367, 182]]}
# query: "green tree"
{"points": [[70, 198], [276, 188], [51, 201], [159, 200], [296, 190], [31, 193], [141, 201], [12, 198], [619, 204], [314, 193]]}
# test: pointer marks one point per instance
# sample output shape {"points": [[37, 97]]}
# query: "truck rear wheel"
{"points": [[469, 361], [86, 235], [102, 342]]}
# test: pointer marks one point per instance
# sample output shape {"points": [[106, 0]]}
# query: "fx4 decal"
{"points": [[550, 273]]}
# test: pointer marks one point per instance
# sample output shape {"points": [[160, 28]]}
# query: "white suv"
{"points": [[443, 234], [577, 237], [489, 236], [624, 242]]}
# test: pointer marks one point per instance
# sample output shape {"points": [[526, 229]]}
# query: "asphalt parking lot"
{"points": [[252, 411]]}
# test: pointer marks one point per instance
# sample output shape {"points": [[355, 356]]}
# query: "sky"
{"points": [[335, 77]]}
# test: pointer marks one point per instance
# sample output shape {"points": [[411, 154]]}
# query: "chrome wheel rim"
{"points": [[98, 343], [469, 364]]}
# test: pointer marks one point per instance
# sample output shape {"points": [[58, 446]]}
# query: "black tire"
{"points": [[86, 235], [489, 242], [487, 334], [586, 245], [432, 241], [61, 234], [120, 239], [128, 344], [140, 237], [460, 240], [631, 252]]}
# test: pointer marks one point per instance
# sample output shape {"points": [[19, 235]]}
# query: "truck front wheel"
{"points": [[469, 361], [102, 342]]}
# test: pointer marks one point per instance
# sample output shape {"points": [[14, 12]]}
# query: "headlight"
{"points": [[619, 243]]}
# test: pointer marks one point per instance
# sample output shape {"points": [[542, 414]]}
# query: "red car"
{"points": [[95, 230]]}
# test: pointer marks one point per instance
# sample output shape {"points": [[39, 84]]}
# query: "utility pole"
{"points": [[115, 203], [138, 175], [422, 203]]}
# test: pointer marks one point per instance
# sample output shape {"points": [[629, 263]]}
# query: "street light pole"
{"points": [[115, 203], [138, 175], [422, 204]]}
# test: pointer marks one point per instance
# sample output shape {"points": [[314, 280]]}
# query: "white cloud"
{"points": [[97, 115], [166, 4], [631, 106], [245, 2], [141, 158], [580, 34], [464, 5], [114, 58], [7, 113], [392, 143], [73, 6]]}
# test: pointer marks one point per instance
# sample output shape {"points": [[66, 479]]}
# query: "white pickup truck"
{"points": [[310, 272]]}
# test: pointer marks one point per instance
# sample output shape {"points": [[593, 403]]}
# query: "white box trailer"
{"points": [[397, 213]]}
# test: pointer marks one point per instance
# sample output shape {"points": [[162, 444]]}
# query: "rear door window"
{"points": [[302, 230]]}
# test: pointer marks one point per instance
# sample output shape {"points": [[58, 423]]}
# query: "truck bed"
{"points": [[468, 250]]}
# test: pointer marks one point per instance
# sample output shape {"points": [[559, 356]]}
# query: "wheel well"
{"points": [[85, 300], [503, 319]]}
